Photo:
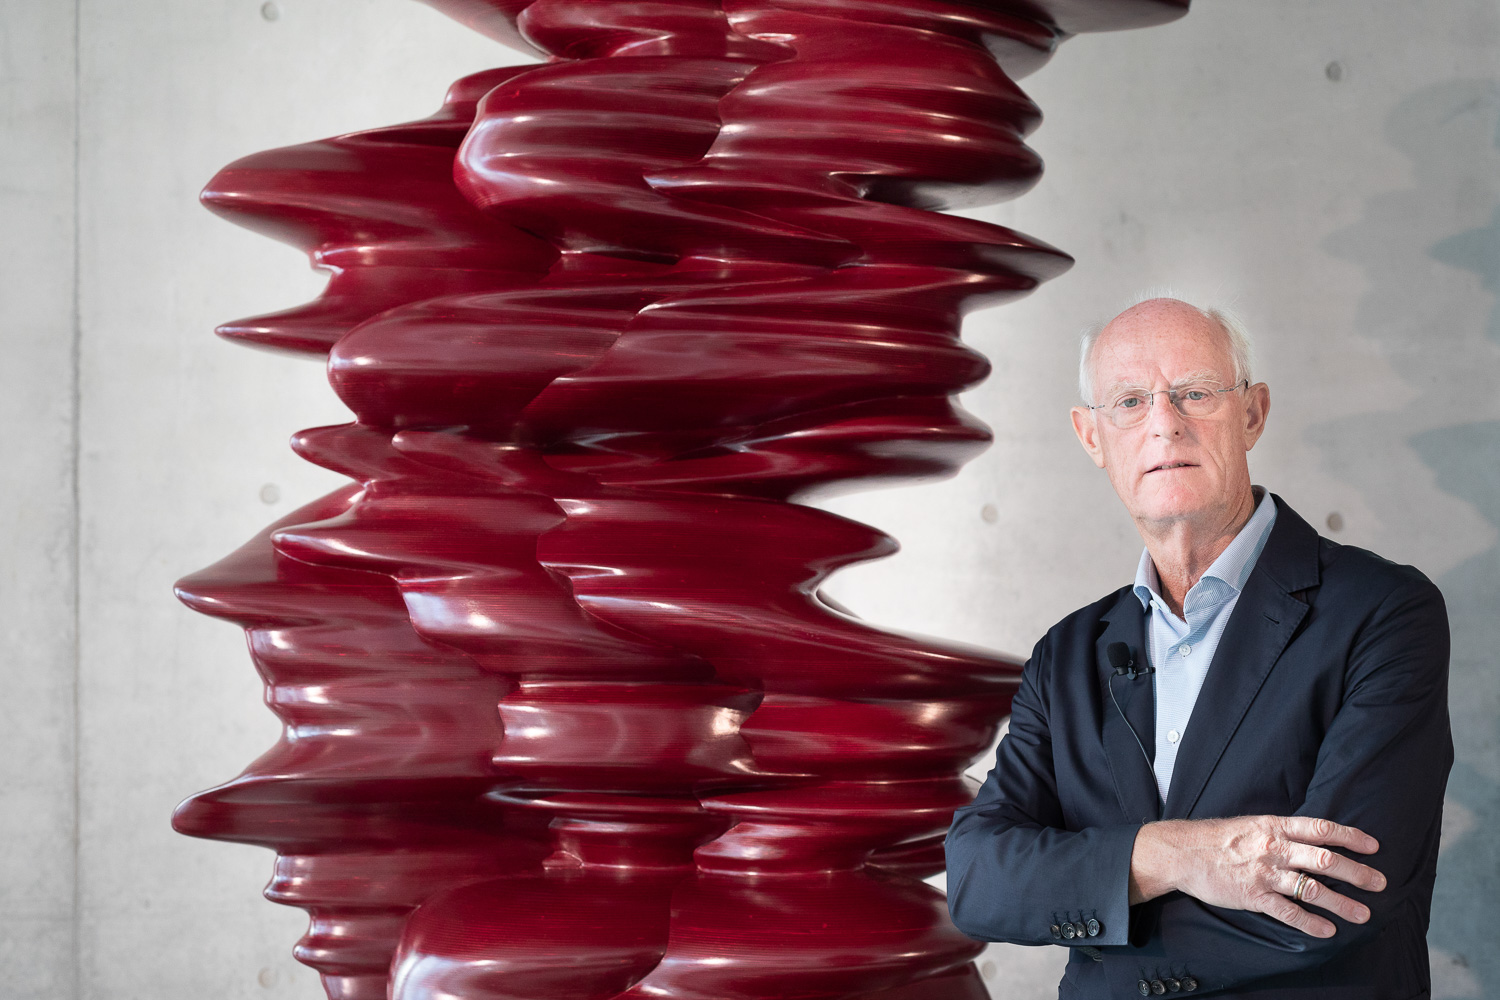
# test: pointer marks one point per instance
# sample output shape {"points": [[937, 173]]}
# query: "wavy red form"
{"points": [[566, 713]]}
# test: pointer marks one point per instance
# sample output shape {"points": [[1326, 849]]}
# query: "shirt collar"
{"points": [[1230, 570]]}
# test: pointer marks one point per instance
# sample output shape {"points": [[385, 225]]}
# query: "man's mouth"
{"points": [[1163, 467]]}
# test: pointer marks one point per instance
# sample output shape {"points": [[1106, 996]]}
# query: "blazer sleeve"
{"points": [[1381, 767], [1014, 869]]}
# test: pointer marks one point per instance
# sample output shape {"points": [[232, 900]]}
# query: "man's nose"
{"points": [[1164, 418]]}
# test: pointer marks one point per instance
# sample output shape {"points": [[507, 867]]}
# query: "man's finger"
{"points": [[1279, 907], [1326, 864], [1318, 894], [1313, 830]]}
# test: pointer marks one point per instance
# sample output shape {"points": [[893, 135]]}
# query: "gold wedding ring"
{"points": [[1302, 881]]}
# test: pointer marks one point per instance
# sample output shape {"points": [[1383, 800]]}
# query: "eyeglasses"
{"points": [[1195, 399]]}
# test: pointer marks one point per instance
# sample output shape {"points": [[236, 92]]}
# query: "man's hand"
{"points": [[1254, 863]]}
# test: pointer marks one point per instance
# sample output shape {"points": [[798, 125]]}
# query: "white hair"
{"points": [[1241, 350]]}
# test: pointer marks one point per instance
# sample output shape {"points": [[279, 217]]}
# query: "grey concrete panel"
{"points": [[1430, 249], [37, 574], [1466, 461]]}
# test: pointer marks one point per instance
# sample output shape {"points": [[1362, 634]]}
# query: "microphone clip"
{"points": [[1122, 660]]}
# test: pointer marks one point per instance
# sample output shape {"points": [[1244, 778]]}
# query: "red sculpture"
{"points": [[566, 715]]}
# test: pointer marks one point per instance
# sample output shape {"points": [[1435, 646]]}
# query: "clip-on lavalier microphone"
{"points": [[1122, 661]]}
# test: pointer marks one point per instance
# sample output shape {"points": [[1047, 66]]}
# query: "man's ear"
{"points": [[1087, 429], [1257, 407]]}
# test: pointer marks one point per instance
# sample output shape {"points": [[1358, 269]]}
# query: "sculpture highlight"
{"points": [[566, 714]]}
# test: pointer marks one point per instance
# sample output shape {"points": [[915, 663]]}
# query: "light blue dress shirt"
{"points": [[1182, 650]]}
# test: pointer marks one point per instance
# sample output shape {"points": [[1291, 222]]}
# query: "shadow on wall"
{"points": [[1420, 249]]}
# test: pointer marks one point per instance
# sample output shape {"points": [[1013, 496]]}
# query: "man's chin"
{"points": [[1169, 506]]}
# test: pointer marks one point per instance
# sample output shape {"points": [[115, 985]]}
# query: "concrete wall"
{"points": [[38, 551], [1330, 168]]}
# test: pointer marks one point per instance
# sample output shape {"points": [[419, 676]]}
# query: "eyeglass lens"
{"points": [[1194, 400]]}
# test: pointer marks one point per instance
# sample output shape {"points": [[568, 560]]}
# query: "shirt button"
{"points": [[1185, 649], [1173, 736]]}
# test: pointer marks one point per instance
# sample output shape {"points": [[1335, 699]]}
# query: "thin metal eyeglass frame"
{"points": [[1151, 395]]}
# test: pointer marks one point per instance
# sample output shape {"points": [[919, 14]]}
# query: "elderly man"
{"points": [[1229, 776]]}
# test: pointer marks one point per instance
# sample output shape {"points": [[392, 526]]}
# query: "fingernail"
{"points": [[1361, 915]]}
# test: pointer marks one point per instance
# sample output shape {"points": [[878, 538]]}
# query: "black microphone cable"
{"points": [[1122, 660]]}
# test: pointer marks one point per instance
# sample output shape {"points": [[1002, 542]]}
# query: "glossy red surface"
{"points": [[566, 714]]}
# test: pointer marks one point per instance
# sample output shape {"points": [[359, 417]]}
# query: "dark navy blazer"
{"points": [[1327, 697]]}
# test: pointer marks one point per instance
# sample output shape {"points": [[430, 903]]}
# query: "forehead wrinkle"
{"points": [[1201, 375]]}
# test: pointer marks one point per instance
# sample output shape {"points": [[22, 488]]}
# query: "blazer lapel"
{"points": [[1129, 761], [1263, 622]]}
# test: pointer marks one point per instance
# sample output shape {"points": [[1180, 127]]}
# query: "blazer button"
{"points": [[1056, 932], [1068, 932], [1189, 983], [1158, 987], [1144, 987], [1173, 985], [1079, 930], [1094, 927]]}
